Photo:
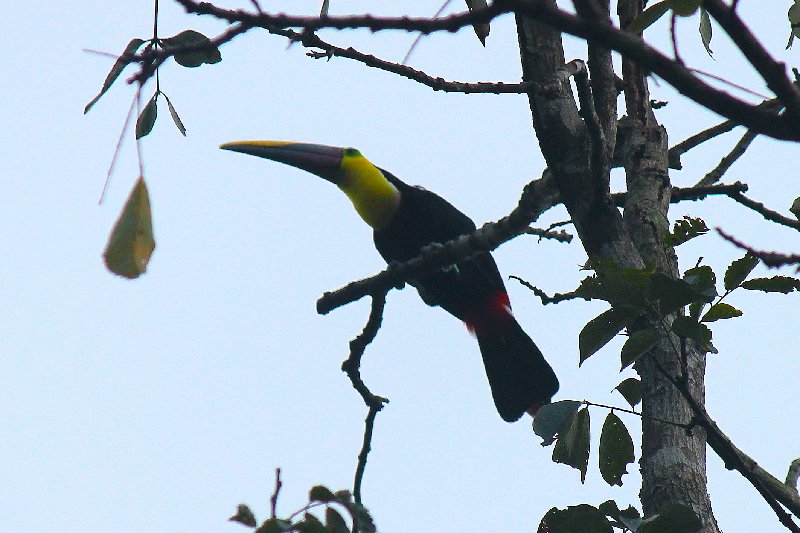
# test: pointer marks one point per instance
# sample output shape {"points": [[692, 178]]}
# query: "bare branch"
{"points": [[728, 161], [555, 299], [773, 72], [765, 212], [560, 236], [771, 259], [274, 499], [352, 366], [697, 139], [629, 45]]}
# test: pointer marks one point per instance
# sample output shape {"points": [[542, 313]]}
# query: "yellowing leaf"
{"points": [[131, 242]]}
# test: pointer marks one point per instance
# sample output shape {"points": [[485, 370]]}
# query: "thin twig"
{"points": [[118, 149], [556, 298], [637, 413], [560, 236], [728, 161], [273, 501], [352, 367], [771, 259], [769, 214]]}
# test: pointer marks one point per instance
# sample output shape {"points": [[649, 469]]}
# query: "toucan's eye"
{"points": [[351, 152]]}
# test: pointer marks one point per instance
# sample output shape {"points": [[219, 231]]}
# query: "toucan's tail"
{"points": [[519, 376]]}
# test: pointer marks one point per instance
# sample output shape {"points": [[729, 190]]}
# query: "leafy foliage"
{"points": [[637, 345], [685, 230], [319, 495]]}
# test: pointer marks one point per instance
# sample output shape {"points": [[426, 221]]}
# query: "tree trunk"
{"points": [[673, 463]]}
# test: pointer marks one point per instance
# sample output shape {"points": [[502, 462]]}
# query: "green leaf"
{"points": [[310, 524], [601, 329], [575, 519], [321, 493], [795, 209], [175, 118], [783, 284], [690, 328], [116, 69], [649, 16], [705, 31], [685, 8], [146, 121], [553, 418], [616, 450], [631, 390], [673, 294], [335, 522], [275, 525], [738, 271], [675, 518], [323, 12], [720, 311], [572, 447], [638, 344], [344, 496], [703, 279], [685, 230], [206, 53], [244, 516], [131, 242], [695, 308]]}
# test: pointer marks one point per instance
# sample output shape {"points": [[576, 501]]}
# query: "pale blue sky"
{"points": [[159, 404]]}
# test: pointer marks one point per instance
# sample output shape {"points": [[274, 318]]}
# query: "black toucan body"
{"points": [[405, 219]]}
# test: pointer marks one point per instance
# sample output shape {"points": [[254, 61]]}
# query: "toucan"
{"points": [[406, 219]]}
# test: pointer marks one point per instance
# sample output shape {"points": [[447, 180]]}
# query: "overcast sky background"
{"points": [[161, 403]]}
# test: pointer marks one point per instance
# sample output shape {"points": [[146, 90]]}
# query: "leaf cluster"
{"points": [[302, 521]]}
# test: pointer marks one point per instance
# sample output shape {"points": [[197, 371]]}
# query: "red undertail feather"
{"points": [[493, 311]]}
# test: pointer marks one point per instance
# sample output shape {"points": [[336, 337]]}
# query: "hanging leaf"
{"points": [[572, 447], [175, 118], [206, 52], [637, 345], [131, 242], [783, 284], [601, 329], [720, 311], [553, 418], [631, 390], [116, 69], [481, 28], [673, 294], [738, 271], [705, 31], [324, 11], [616, 450], [146, 121]]}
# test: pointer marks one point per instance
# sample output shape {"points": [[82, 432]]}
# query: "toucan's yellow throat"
{"points": [[375, 198]]}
